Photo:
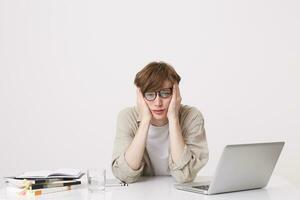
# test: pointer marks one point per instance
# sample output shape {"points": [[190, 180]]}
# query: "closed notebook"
{"points": [[21, 183], [54, 184], [23, 192]]}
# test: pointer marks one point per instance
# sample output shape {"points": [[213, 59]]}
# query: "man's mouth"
{"points": [[158, 112]]}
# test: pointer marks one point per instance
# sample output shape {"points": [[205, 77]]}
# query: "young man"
{"points": [[159, 136]]}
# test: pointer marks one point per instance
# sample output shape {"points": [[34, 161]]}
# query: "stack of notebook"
{"points": [[43, 182]]}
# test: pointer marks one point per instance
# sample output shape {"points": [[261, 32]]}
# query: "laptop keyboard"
{"points": [[202, 187]]}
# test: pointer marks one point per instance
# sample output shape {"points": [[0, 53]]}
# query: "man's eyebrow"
{"points": [[166, 88]]}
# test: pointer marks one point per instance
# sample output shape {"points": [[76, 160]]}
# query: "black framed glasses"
{"points": [[163, 93]]}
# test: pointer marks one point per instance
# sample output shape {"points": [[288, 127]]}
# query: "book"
{"points": [[54, 184], [21, 183], [47, 174], [24, 192]]}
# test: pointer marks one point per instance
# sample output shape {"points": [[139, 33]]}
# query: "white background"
{"points": [[67, 69]]}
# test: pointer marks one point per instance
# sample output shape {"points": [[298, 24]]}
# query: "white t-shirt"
{"points": [[158, 149]]}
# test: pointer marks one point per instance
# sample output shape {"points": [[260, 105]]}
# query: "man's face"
{"points": [[159, 106]]}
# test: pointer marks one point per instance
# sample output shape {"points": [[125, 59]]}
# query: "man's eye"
{"points": [[149, 94], [165, 93]]}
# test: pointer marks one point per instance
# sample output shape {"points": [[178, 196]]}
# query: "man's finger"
{"points": [[178, 91], [139, 92], [174, 89]]}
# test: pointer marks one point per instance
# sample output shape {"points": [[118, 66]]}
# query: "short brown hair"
{"points": [[153, 75]]}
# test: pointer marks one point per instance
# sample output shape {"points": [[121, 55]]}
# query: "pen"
{"points": [[116, 184]]}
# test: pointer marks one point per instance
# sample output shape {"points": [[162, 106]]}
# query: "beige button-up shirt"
{"points": [[193, 158]]}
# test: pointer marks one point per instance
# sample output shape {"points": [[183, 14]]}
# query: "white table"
{"points": [[162, 188]]}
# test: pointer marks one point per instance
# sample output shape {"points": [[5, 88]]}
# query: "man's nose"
{"points": [[158, 101]]}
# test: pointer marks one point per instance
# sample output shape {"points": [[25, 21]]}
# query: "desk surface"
{"points": [[162, 188]]}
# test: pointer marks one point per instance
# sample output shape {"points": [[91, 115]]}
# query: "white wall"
{"points": [[67, 68]]}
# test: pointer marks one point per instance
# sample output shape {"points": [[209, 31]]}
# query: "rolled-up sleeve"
{"points": [[124, 137], [195, 154]]}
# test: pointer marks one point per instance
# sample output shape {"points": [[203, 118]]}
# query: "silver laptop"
{"points": [[241, 167]]}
